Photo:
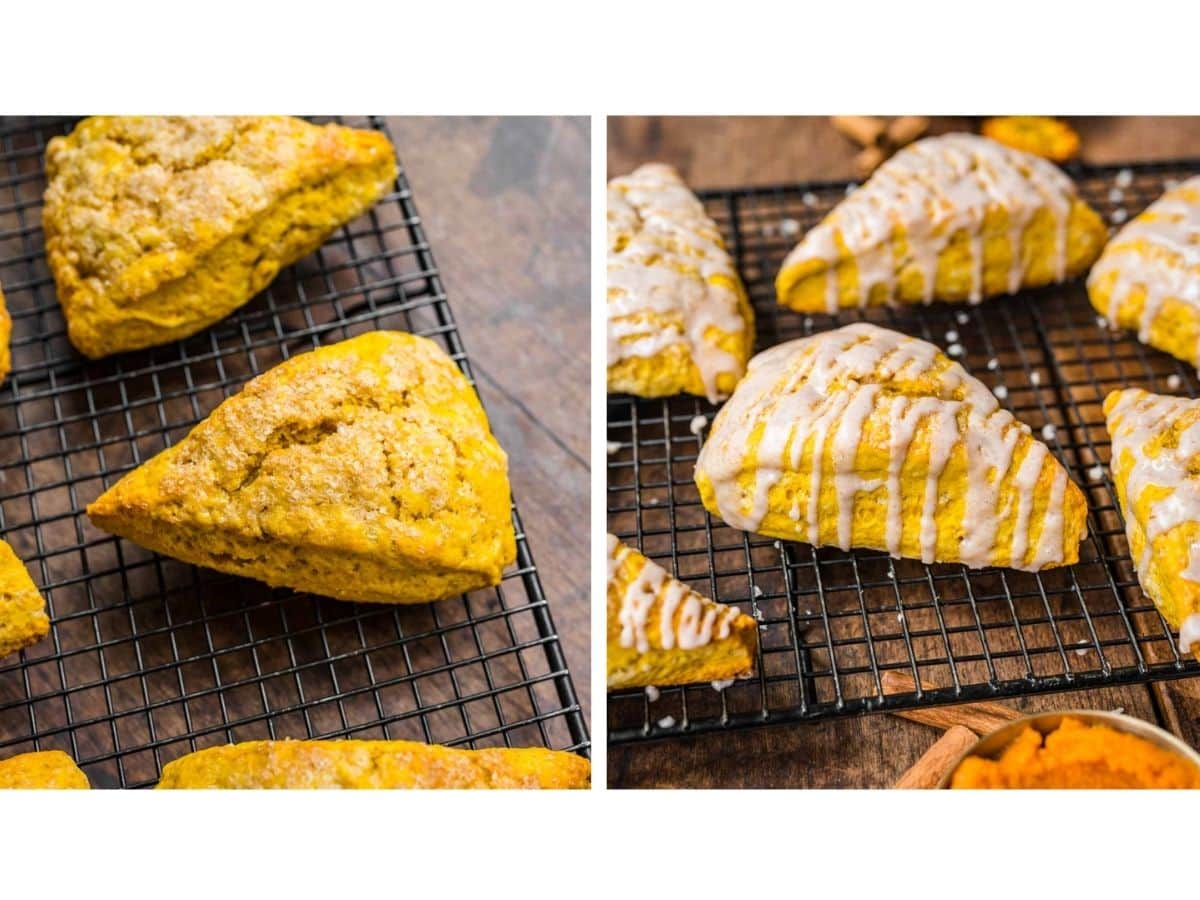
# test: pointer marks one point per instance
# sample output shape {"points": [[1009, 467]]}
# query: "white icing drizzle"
{"points": [[1159, 251], [700, 620], [662, 251], [820, 390], [934, 189], [1135, 420], [1189, 633]]}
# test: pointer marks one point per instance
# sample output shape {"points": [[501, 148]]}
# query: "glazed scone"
{"points": [[661, 632], [679, 320], [1148, 277], [23, 619], [1156, 470], [158, 227], [863, 437], [956, 217], [365, 470], [48, 769], [373, 765], [5, 336]]}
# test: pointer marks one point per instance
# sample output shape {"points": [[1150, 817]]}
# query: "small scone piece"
{"points": [[956, 217], [5, 335], [156, 227], [863, 437], [662, 632], [365, 470], [48, 769], [1148, 277], [373, 765], [1156, 470], [679, 320], [23, 619]]}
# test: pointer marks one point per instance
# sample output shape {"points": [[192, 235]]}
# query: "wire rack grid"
{"points": [[149, 658], [831, 622]]}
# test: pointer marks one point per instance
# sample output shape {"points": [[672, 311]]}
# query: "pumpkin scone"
{"points": [[679, 320], [48, 769], [1148, 277], [661, 632], [373, 765], [157, 227], [956, 217], [5, 336], [365, 470], [863, 437], [23, 619], [1156, 471]]}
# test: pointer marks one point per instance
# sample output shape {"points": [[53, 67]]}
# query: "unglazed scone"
{"points": [[662, 632], [156, 227], [23, 619], [48, 769], [863, 437], [373, 765], [365, 470], [956, 217], [1156, 470], [679, 320], [5, 336], [1148, 277]]}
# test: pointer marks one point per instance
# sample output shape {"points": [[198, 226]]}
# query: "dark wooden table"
{"points": [[505, 205], [866, 751]]}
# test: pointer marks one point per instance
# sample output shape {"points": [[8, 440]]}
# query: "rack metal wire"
{"points": [[148, 658], [832, 622]]}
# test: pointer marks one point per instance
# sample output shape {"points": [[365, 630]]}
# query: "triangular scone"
{"points": [[1148, 277], [679, 320], [374, 765], [912, 456], [662, 632], [23, 619], [156, 227], [364, 471], [956, 217], [1156, 470], [45, 770], [5, 336]]}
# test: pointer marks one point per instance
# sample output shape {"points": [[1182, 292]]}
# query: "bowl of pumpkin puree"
{"points": [[1077, 749]]}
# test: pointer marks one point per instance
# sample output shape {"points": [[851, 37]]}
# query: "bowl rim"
{"points": [[994, 742]]}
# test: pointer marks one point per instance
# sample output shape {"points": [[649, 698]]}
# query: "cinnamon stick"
{"points": [[864, 130], [867, 161], [903, 130], [927, 771], [982, 718]]}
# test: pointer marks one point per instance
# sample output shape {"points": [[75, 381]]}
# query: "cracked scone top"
{"points": [[158, 227], [863, 437], [23, 619], [955, 217], [679, 320], [44, 770], [364, 470], [662, 632], [1148, 277], [1156, 471]]}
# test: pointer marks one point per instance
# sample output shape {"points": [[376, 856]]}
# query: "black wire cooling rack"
{"points": [[832, 623], [148, 658]]}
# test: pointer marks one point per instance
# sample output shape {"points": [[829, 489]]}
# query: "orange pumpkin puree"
{"points": [[1078, 755]]}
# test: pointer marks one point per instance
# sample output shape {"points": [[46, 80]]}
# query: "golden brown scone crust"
{"points": [[5, 336], [672, 611], [365, 470], [158, 227], [23, 619], [49, 769], [373, 765]]}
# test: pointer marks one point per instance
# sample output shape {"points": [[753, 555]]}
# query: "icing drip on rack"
{"points": [[664, 253], [698, 620], [1159, 251], [933, 189], [1137, 422], [800, 396]]}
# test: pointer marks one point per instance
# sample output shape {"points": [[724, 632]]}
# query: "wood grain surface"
{"points": [[874, 750], [505, 204]]}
